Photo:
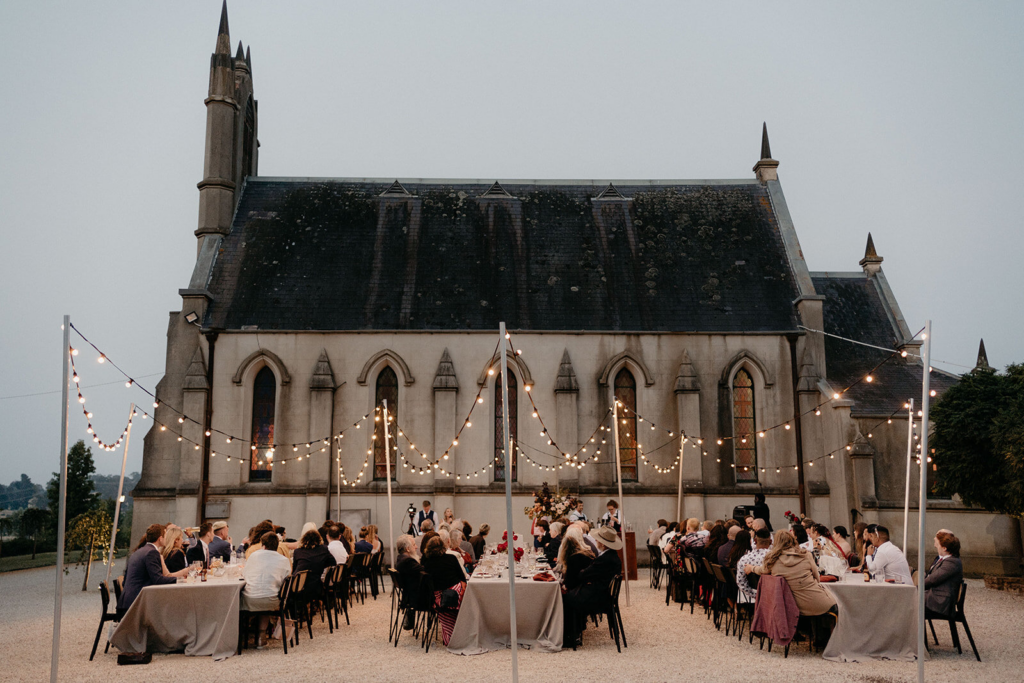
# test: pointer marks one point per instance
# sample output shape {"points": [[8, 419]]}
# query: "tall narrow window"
{"points": [[264, 391], [743, 426], [248, 133], [387, 388], [625, 393], [499, 427]]}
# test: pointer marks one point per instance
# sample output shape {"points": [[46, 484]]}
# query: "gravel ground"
{"points": [[665, 644]]}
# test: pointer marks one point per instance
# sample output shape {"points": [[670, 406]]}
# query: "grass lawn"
{"points": [[16, 562]]}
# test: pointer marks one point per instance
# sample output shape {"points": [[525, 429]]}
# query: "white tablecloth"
{"points": [[483, 623], [876, 621], [199, 618]]}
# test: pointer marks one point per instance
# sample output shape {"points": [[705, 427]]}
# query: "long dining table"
{"points": [[877, 620]]}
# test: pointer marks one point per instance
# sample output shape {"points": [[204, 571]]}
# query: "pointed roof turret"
{"points": [[982, 364], [872, 262], [766, 168], [239, 54], [566, 381], [223, 35], [248, 59], [444, 378], [323, 376]]}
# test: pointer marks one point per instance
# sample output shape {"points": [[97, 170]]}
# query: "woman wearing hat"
{"points": [[592, 594]]}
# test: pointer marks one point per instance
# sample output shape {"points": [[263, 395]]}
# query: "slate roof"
{"points": [[309, 254], [855, 308]]}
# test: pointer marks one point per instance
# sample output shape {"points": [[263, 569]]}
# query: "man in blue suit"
{"points": [[145, 568], [220, 546]]}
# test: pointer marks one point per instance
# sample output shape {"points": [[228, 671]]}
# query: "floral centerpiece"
{"points": [[793, 518], [503, 546], [550, 504]]}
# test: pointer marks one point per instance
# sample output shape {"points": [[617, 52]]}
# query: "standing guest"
{"points": [[265, 572], [314, 556], [754, 558], [943, 579], [410, 573], [842, 539], [174, 556], [220, 546], [362, 545], [577, 514], [885, 559], [449, 517], [612, 518], [447, 575], [573, 557], [726, 548], [335, 546], [592, 594], [761, 510], [480, 540], [654, 535], [426, 514], [145, 568], [554, 543], [200, 552]]}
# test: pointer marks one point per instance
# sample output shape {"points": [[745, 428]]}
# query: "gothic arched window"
{"points": [[744, 438], [625, 393], [387, 388], [248, 141], [264, 396], [499, 427]]}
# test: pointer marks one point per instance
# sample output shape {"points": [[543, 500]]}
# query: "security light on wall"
{"points": [[192, 318]]}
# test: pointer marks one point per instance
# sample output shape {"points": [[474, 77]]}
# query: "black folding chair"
{"points": [[657, 565], [360, 574], [957, 616], [397, 604], [105, 616], [246, 618]]}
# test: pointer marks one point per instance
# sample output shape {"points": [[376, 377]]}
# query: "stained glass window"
{"points": [[499, 427], [387, 388], [625, 393], [743, 427], [264, 395]]}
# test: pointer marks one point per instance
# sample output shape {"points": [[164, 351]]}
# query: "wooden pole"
{"points": [[910, 456], [922, 503], [61, 506], [120, 491], [503, 344], [387, 464], [622, 515]]}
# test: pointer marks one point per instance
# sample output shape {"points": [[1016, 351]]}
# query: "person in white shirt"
{"points": [[335, 545], [265, 572], [612, 518], [424, 515], [577, 514], [755, 557], [885, 559]]}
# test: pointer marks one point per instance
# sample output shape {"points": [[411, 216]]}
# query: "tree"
{"points": [[34, 520], [81, 492], [6, 527], [89, 531]]}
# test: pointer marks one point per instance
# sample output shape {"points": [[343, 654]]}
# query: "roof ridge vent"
{"points": [[610, 192], [396, 190], [496, 190]]}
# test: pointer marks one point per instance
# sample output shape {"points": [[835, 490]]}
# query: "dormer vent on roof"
{"points": [[496, 190], [611, 192], [396, 190]]}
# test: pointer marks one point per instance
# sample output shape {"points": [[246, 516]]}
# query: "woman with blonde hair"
{"points": [[448, 517], [172, 553], [573, 557], [371, 537]]}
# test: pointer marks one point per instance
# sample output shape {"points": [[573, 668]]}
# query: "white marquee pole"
{"points": [[387, 463], [61, 507], [622, 515], [910, 456], [503, 344], [120, 491], [679, 501], [338, 462], [922, 503]]}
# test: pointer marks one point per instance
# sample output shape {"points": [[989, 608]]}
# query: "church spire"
{"points": [[766, 168], [239, 55], [223, 35], [872, 262], [982, 364]]}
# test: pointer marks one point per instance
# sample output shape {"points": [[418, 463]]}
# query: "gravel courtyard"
{"points": [[665, 644]]}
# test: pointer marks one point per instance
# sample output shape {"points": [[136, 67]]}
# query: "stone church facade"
{"points": [[312, 300]]}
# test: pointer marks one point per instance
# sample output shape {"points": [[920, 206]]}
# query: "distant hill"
{"points": [[106, 485], [22, 494]]}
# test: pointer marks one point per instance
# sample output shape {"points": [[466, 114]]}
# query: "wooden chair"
{"points": [[955, 617], [299, 604], [359, 574], [615, 626], [106, 616], [328, 598], [245, 618]]}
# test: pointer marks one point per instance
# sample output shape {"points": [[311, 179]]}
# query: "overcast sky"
{"points": [[900, 119]]}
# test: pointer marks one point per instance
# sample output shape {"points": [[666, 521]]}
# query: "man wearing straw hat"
{"points": [[593, 594]]}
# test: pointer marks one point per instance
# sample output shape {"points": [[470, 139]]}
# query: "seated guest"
{"points": [[748, 522], [670, 532], [553, 543], [258, 533], [587, 538], [479, 541], [788, 560], [861, 542], [821, 537], [573, 557], [220, 546], [335, 546], [200, 552], [410, 572], [592, 594], [465, 545], [145, 568], [451, 550], [372, 539], [693, 541], [884, 559], [654, 535], [446, 575], [799, 532], [842, 539], [752, 558], [726, 548], [265, 572], [741, 546], [541, 533], [943, 579], [323, 529], [348, 538], [457, 545], [363, 545], [174, 556], [314, 556], [426, 526], [715, 541]]}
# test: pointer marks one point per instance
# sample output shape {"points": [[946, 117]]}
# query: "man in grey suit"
{"points": [[943, 579], [146, 568]]}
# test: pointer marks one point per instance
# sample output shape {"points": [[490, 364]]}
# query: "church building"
{"points": [[315, 300]]}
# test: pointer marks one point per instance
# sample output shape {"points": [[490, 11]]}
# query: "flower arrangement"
{"points": [[503, 548], [793, 518], [550, 504]]}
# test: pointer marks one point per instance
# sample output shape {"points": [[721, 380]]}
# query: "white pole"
{"points": [[61, 507], [508, 505], [910, 456], [120, 491], [679, 502], [338, 461], [922, 503], [622, 515], [387, 464]]}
